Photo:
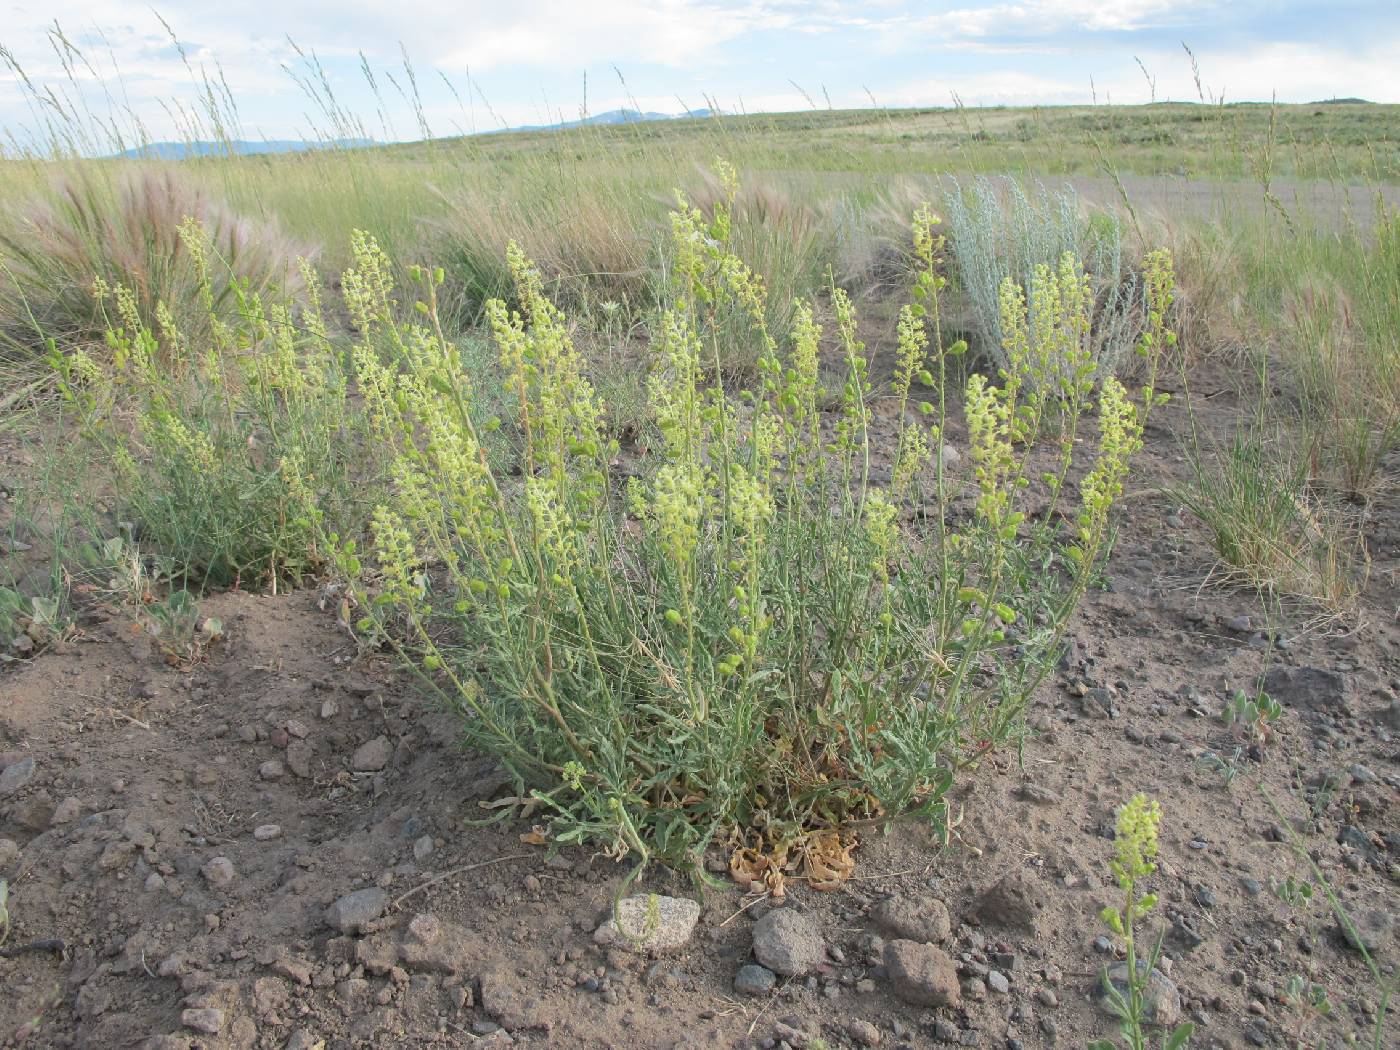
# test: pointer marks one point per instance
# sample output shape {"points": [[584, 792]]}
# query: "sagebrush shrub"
{"points": [[751, 644], [1000, 232]]}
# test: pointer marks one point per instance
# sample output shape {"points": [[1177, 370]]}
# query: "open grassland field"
{"points": [[838, 579]]}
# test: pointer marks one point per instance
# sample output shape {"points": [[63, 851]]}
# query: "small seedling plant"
{"points": [[1251, 718], [1310, 1005], [1134, 861], [750, 643]]}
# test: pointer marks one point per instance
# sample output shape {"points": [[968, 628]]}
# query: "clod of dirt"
{"points": [[789, 943], [1014, 902], [354, 911], [914, 918], [1161, 1000], [651, 923], [863, 1033], [432, 946], [1389, 715], [218, 872], [922, 974], [16, 775], [1371, 929], [1313, 688], [66, 811], [505, 997], [372, 756], [34, 813], [9, 858], [206, 1020]]}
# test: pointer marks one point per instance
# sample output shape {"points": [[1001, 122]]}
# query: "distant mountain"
{"points": [[1341, 102], [185, 150], [612, 116]]}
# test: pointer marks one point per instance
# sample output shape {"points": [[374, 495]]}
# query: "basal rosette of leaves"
{"points": [[752, 644]]}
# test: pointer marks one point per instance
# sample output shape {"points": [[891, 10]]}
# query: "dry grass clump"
{"points": [[590, 241], [125, 231], [870, 237], [600, 246]]}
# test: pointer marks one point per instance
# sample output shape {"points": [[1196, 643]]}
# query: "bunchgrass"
{"points": [[1269, 527], [96, 228]]}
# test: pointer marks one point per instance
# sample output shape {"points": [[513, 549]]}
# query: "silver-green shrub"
{"points": [[999, 229]]}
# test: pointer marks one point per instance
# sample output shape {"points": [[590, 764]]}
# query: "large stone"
{"points": [[1161, 1000], [788, 943], [373, 756], [914, 919], [354, 911], [922, 974], [298, 757], [651, 923], [1013, 902]]}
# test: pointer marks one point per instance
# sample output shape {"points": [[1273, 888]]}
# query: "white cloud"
{"points": [[1295, 72], [528, 56], [1005, 88]]}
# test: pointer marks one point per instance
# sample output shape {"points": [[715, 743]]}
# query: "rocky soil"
{"points": [[276, 848]]}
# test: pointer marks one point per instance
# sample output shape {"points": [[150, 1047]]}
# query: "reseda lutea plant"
{"points": [[751, 643], [231, 446]]}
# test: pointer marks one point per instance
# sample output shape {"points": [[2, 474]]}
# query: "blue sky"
{"points": [[481, 64]]}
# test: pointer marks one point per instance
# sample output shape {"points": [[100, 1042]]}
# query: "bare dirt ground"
{"points": [[178, 835]]}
